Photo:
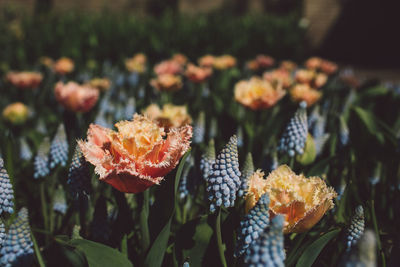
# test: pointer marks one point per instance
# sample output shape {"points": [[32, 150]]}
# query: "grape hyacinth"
{"points": [[130, 108], [294, 138], [17, 248], [183, 185], [78, 175], [253, 224], [2, 233], [213, 128], [59, 204], [224, 178], [199, 129], [41, 163], [356, 228], [364, 254], [268, 249], [239, 134], [343, 133], [25, 152], [59, 148], [6, 191], [207, 159], [247, 171]]}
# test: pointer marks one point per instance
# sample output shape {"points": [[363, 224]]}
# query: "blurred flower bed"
{"points": [[91, 38], [193, 160]]}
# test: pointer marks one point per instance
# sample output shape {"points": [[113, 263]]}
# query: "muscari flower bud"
{"points": [[356, 228], [223, 180], [248, 170], [183, 185], [199, 129], [41, 163], [253, 224], [268, 249], [17, 249], [6, 191], [60, 204], [78, 175], [294, 137], [59, 148], [364, 253], [207, 159], [25, 152]]}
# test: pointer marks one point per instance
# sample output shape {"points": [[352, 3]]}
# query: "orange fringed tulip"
{"points": [[167, 82], [75, 97], [197, 74], [258, 94], [64, 65], [302, 201], [303, 92], [24, 79], [16, 113], [137, 155], [170, 67], [169, 116]]}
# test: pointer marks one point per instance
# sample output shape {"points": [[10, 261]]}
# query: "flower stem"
{"points": [[144, 226], [221, 246], [44, 207]]}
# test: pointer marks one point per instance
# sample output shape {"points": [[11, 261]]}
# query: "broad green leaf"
{"points": [[312, 251], [156, 253], [99, 255], [369, 120]]}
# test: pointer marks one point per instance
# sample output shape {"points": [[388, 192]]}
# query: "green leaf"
{"points": [[370, 122], [99, 255], [156, 253], [321, 167], [313, 250], [193, 239]]}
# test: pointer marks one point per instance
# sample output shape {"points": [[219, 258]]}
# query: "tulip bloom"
{"points": [[137, 63], [24, 79], [302, 201], [303, 92], [224, 62], [280, 76], [64, 66], [136, 156], [75, 97], [197, 74], [167, 82], [258, 94], [206, 61], [171, 67], [103, 84], [169, 116], [16, 113]]}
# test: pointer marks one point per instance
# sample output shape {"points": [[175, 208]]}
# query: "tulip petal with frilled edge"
{"points": [[136, 156], [303, 201]]}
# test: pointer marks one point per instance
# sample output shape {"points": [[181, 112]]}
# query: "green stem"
{"points": [[221, 246], [44, 207], [377, 232], [144, 226], [37, 252]]}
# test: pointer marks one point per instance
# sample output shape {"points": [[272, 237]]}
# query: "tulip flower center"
{"points": [[139, 137]]}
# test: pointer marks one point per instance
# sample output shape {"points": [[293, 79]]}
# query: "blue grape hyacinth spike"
{"points": [[41, 163], [294, 137], [78, 175], [223, 180], [207, 159], [199, 129], [17, 249], [268, 249], [356, 228], [59, 148], [6, 191], [253, 224]]}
